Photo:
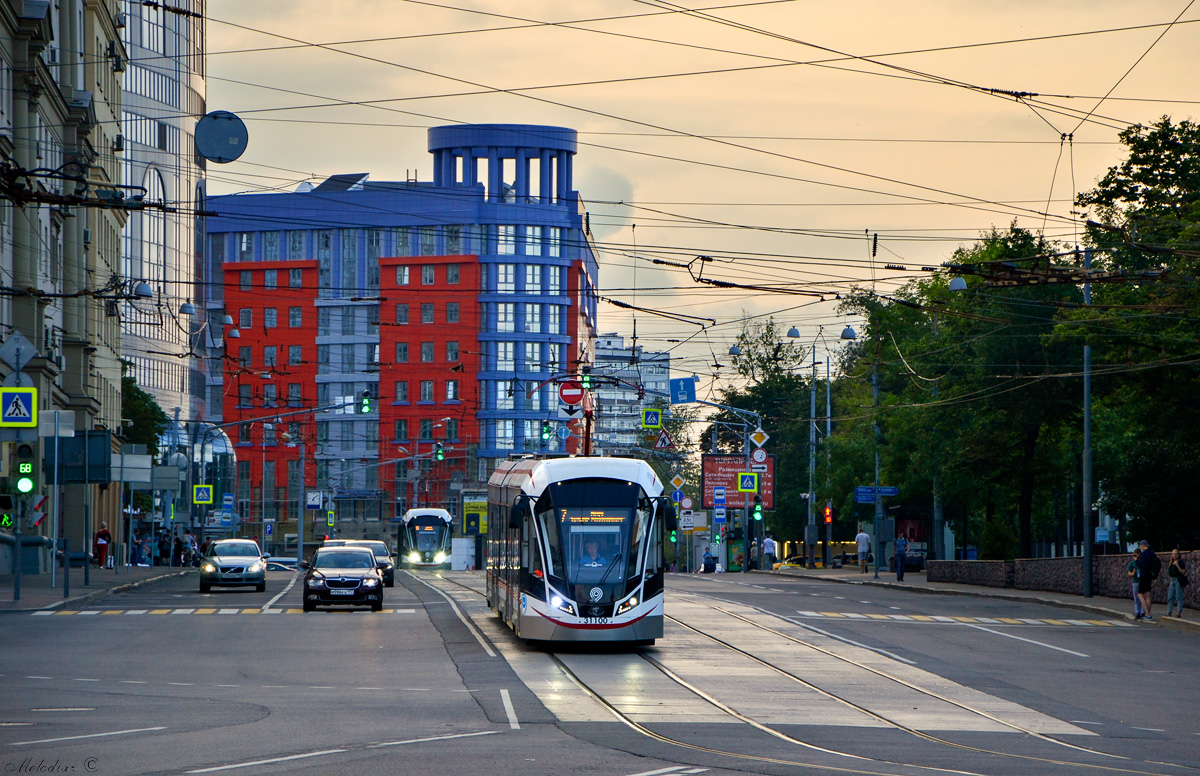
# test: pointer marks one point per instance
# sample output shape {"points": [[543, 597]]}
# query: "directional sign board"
{"points": [[18, 407], [865, 494], [683, 390], [227, 500], [687, 521], [651, 418], [570, 392], [721, 471], [570, 411], [747, 482], [202, 494]]}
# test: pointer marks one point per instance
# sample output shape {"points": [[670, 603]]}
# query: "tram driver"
{"points": [[591, 555]]}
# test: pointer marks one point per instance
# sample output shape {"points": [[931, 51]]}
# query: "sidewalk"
{"points": [[915, 581], [36, 592]]}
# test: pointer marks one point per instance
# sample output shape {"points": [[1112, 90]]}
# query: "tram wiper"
{"points": [[611, 566]]}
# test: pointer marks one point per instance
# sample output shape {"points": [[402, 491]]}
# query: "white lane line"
{"points": [[1027, 641], [137, 611], [432, 738], [90, 735], [404, 611], [1083, 722], [1151, 730], [470, 626], [509, 710], [72, 708], [183, 611], [267, 762], [38, 677], [809, 614], [696, 770], [42, 614], [87, 680], [133, 681], [226, 685], [659, 771], [182, 684], [283, 592]]}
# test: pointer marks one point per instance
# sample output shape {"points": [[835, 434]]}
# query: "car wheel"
{"points": [[308, 607], [390, 584], [205, 587], [261, 587], [377, 607]]}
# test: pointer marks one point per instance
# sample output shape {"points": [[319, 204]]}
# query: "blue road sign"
{"points": [[683, 390], [564, 432], [865, 494], [747, 482], [269, 529], [719, 495], [202, 494], [18, 407], [227, 500], [677, 496], [651, 418], [889, 490]]}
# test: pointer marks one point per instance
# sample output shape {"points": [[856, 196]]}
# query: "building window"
{"points": [[324, 316], [555, 246], [295, 354], [269, 397], [402, 313], [294, 397], [554, 285], [556, 357], [271, 279], [506, 278], [247, 278], [533, 279], [245, 356], [504, 434], [427, 275], [270, 354], [349, 239], [451, 351], [533, 357], [295, 246], [324, 238], [533, 241], [245, 396], [553, 319], [401, 352], [451, 428], [400, 430], [245, 241], [504, 357], [451, 393], [373, 321], [453, 236], [504, 394], [533, 317], [269, 318], [428, 235], [506, 239], [245, 318], [244, 438], [426, 428], [401, 390], [427, 312], [452, 312], [295, 317], [374, 245], [452, 274], [402, 276], [426, 352], [270, 246], [295, 278], [505, 317], [427, 390]]}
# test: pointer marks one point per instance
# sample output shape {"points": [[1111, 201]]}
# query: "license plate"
{"points": [[341, 592]]}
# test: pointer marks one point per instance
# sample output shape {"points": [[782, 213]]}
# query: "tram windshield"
{"points": [[426, 535], [595, 532]]}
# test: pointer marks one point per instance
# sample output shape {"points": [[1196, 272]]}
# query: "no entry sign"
{"points": [[570, 392]]}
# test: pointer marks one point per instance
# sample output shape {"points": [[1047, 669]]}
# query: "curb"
{"points": [[95, 595], [1189, 626]]}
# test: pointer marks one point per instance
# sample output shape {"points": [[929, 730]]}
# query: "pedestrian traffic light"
{"points": [[364, 405], [757, 507], [586, 378], [24, 472], [438, 452], [674, 538], [828, 514], [545, 431]]}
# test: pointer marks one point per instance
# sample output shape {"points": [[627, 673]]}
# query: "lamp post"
{"points": [[877, 521]]}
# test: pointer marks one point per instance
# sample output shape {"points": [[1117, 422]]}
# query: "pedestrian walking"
{"points": [[1132, 571], [103, 540], [901, 556], [768, 552], [754, 553], [1149, 567], [177, 552], [1179, 580], [864, 548], [162, 556]]}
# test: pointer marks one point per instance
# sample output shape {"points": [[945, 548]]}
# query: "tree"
{"points": [[147, 421]]}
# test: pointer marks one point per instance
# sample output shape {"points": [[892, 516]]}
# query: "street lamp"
{"points": [[811, 531]]}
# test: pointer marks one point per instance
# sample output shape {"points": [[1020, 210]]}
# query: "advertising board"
{"points": [[723, 471]]}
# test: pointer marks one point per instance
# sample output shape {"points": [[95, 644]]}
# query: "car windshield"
{"points": [[344, 559], [379, 548], [236, 550]]}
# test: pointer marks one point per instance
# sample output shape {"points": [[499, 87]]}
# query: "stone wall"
{"points": [[1063, 575]]}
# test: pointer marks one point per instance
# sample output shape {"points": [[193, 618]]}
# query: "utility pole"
{"points": [[810, 533], [1088, 528]]}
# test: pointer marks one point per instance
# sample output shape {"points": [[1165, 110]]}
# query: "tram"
{"points": [[423, 540], [575, 549]]}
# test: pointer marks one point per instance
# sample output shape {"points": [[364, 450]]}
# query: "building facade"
{"points": [[453, 305], [626, 380]]}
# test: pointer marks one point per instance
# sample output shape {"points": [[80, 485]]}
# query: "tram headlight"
{"points": [[627, 605], [441, 556], [414, 557], [563, 606]]}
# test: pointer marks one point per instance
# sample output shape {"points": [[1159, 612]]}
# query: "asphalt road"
{"points": [[164, 679]]}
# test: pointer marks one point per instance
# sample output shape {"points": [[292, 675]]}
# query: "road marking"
{"points": [[675, 769], [227, 685], [182, 684], [1084, 722], [1027, 641], [160, 611], [87, 680], [69, 708], [135, 611], [43, 614], [432, 738], [90, 735], [65, 613], [509, 710], [133, 681], [38, 677], [205, 611], [229, 611], [182, 611], [282, 593], [1151, 730], [470, 626], [842, 639], [267, 762], [90, 611]]}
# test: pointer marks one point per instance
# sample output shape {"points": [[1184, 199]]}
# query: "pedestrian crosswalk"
{"points": [[202, 611], [935, 619]]}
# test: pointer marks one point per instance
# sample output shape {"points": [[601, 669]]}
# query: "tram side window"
{"points": [[641, 526], [549, 526]]}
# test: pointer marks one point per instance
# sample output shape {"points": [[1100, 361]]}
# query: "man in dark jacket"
{"points": [[1149, 567]]}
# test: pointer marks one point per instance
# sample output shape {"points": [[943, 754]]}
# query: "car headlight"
{"points": [[316, 582], [256, 567], [414, 557], [370, 582], [627, 605], [208, 568], [441, 556]]}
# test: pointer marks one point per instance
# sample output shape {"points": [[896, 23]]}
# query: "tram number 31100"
{"points": [[595, 620]]}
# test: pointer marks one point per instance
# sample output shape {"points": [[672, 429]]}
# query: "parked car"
{"points": [[343, 576], [281, 564], [234, 563]]}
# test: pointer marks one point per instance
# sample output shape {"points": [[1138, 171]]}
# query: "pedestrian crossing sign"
{"points": [[747, 482], [202, 494], [18, 407]]}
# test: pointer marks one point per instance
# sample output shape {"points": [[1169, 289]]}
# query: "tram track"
{"points": [[1127, 766]]}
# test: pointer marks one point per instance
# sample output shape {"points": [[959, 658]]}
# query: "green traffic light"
{"points": [[673, 539], [24, 484]]}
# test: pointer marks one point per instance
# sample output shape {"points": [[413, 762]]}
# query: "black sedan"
{"points": [[343, 576]]}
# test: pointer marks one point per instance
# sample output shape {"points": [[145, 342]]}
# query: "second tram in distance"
{"points": [[423, 540], [575, 549]]}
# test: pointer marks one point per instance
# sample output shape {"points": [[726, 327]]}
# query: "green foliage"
{"points": [[147, 419], [998, 541]]}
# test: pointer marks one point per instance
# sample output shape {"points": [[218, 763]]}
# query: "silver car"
{"points": [[233, 562]]}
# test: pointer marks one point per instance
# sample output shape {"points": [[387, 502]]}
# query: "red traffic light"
{"points": [[828, 514]]}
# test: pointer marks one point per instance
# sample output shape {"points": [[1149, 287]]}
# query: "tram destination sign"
{"points": [[721, 471]]}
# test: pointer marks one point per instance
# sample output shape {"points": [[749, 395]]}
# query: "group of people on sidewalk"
{"points": [[1143, 569]]}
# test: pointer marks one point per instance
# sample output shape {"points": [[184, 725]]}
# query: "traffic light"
{"points": [[24, 473], [438, 452], [720, 535], [674, 538], [364, 405], [828, 514], [586, 378], [545, 431], [757, 507]]}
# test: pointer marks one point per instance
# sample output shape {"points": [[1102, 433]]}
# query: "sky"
{"points": [[778, 137]]}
